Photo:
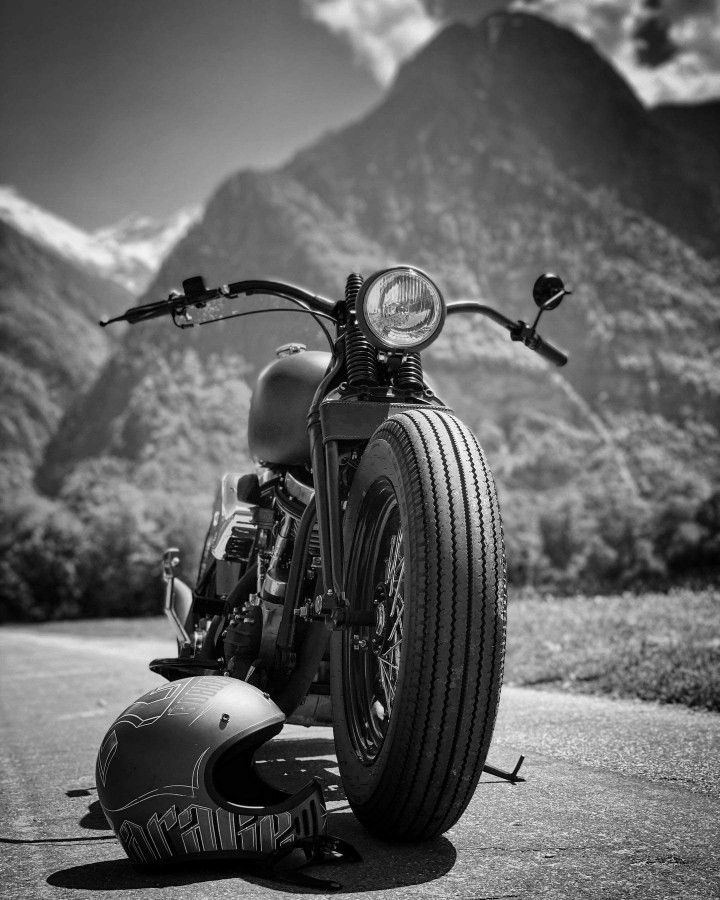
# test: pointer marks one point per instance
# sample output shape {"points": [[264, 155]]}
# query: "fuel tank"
{"points": [[277, 425]]}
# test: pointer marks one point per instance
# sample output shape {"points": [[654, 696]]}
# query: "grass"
{"points": [[663, 647]]}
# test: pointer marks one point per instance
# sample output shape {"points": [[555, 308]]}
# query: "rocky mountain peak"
{"points": [[517, 57], [524, 88]]}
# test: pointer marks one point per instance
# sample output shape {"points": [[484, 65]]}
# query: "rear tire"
{"points": [[413, 718]]}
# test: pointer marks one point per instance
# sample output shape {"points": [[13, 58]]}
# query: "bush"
{"points": [[597, 541], [96, 550], [41, 573]]}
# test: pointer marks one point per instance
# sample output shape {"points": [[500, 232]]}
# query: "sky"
{"points": [[116, 107], [113, 107]]}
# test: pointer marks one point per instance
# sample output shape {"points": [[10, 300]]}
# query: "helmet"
{"points": [[175, 777]]}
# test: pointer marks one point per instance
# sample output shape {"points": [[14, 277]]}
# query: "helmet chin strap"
{"points": [[321, 850]]}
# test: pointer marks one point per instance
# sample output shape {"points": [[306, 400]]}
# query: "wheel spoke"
{"points": [[389, 657], [394, 579], [376, 676], [395, 545], [385, 679], [397, 629], [388, 688], [393, 631], [392, 647]]}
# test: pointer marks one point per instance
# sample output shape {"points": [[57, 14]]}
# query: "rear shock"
{"points": [[361, 357]]}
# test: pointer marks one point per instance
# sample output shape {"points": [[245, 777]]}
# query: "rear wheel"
{"points": [[415, 692]]}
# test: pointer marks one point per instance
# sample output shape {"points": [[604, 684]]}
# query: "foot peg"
{"points": [[174, 668]]}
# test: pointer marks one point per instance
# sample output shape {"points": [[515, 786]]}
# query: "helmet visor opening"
{"points": [[235, 778]]}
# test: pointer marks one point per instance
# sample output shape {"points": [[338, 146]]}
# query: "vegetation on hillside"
{"points": [[94, 549], [50, 347]]}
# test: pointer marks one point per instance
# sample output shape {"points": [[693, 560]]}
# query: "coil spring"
{"points": [[409, 376], [352, 286], [360, 355], [314, 542]]}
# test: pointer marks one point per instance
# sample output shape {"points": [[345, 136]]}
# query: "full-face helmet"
{"points": [[176, 779]]}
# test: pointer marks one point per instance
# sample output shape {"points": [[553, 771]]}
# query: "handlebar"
{"points": [[197, 295], [519, 331]]}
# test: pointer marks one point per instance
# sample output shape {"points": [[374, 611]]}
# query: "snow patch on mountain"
{"points": [[65, 239], [144, 240], [128, 253]]}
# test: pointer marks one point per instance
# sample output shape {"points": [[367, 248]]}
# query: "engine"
{"points": [[253, 549]]}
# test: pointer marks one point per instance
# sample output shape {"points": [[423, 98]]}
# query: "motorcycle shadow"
{"points": [[383, 866]]}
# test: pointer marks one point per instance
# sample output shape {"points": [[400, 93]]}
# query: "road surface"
{"points": [[622, 799]]}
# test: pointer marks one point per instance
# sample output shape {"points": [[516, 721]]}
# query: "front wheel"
{"points": [[415, 694]]}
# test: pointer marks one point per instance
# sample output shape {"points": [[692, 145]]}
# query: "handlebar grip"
{"points": [[546, 350], [146, 311], [150, 310]]}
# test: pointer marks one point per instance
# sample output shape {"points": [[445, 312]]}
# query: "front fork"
{"points": [[325, 465]]}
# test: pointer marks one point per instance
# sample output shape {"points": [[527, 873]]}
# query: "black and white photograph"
{"points": [[360, 449]]}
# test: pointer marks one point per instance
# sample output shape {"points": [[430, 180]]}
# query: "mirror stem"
{"points": [[537, 319]]}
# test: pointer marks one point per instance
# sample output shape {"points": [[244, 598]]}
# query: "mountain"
{"points": [[502, 150], [693, 133], [50, 345], [64, 239], [128, 253], [700, 122]]}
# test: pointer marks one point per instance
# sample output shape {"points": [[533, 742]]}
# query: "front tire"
{"points": [[415, 694]]}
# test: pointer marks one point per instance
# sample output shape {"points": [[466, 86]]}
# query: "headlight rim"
{"points": [[367, 331]]}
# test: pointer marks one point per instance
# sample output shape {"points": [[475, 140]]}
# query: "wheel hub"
{"points": [[380, 634]]}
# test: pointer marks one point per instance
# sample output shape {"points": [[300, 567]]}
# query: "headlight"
{"points": [[400, 309]]}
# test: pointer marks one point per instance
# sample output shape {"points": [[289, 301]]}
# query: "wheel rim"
{"points": [[372, 653]]}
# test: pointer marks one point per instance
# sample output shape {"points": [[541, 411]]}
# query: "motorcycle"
{"points": [[358, 576]]}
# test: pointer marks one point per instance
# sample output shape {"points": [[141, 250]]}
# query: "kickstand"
{"points": [[512, 777]]}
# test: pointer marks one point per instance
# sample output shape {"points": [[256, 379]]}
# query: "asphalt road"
{"points": [[622, 799]]}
